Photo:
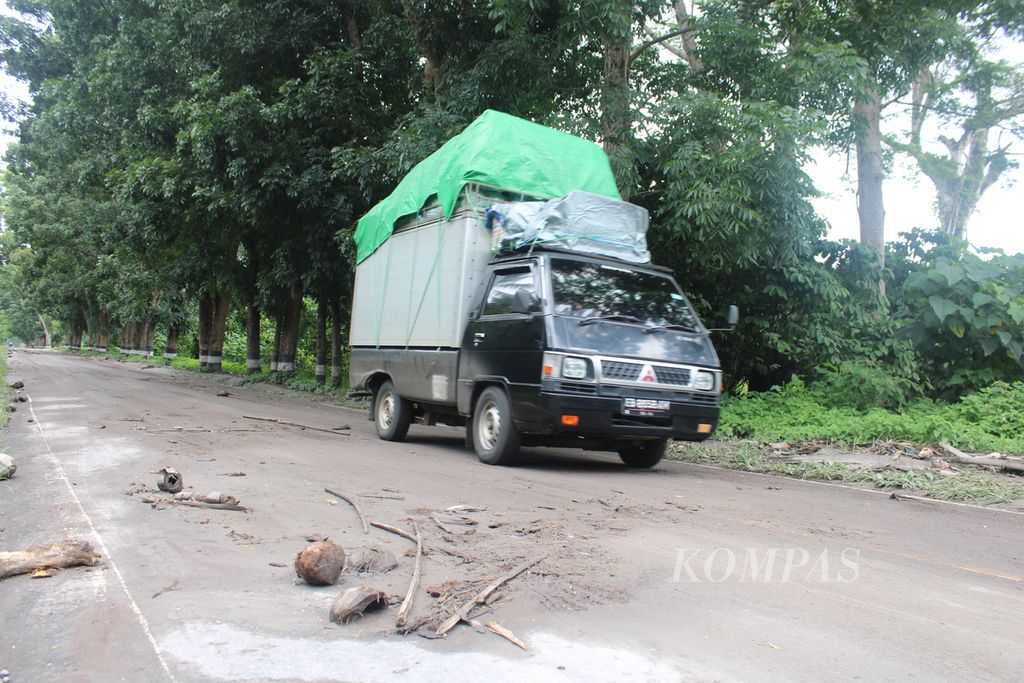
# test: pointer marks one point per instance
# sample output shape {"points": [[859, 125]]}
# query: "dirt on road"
{"points": [[683, 572]]}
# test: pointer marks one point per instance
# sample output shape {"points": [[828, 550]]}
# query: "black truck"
{"points": [[554, 343]]}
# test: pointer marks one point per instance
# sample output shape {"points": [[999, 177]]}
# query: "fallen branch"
{"points": [[294, 424], [480, 598], [394, 530], [196, 504], [442, 526], [67, 553], [960, 456], [403, 612], [362, 518], [495, 627]]}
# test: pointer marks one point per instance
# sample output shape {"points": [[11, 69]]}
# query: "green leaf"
{"points": [[943, 307], [952, 273]]}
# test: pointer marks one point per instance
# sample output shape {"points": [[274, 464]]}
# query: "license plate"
{"points": [[644, 407]]}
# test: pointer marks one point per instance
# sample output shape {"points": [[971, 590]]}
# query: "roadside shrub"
{"points": [[990, 420], [864, 385], [963, 314]]}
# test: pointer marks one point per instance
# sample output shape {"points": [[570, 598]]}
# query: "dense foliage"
{"points": [[189, 171]]}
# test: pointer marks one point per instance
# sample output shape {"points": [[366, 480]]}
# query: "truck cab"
{"points": [[573, 350]]}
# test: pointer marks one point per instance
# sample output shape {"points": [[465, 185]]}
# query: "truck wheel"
{"points": [[644, 453], [392, 414], [495, 437]]}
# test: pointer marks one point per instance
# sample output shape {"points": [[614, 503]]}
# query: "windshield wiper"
{"points": [[662, 328], [614, 318]]}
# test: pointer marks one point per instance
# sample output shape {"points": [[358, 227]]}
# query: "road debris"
{"points": [[403, 612], [495, 627], [233, 474], [296, 424], [223, 393], [381, 496], [176, 586], [61, 555], [7, 466], [394, 530], [354, 601], [450, 524], [370, 560], [462, 614], [320, 563], [18, 384], [355, 506], [213, 500], [170, 481], [992, 460]]}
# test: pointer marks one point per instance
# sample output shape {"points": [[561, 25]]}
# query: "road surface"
{"points": [[680, 573]]}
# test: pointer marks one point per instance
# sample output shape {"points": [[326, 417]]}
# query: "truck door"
{"points": [[504, 339]]}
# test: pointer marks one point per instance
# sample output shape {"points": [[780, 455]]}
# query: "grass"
{"points": [[970, 485]]}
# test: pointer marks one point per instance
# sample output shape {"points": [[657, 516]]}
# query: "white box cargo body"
{"points": [[416, 290]]}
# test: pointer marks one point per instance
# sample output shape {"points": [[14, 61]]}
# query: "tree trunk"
{"points": [[46, 331], [205, 320], [148, 337], [173, 334], [321, 340], [104, 332], [289, 328], [337, 361], [867, 115], [88, 326], [126, 338], [275, 354], [218, 322], [616, 119], [252, 339]]}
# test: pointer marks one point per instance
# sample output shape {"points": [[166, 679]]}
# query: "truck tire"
{"points": [[392, 414], [495, 437], [644, 453]]}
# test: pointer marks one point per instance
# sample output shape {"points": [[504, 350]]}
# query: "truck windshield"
{"points": [[591, 291]]}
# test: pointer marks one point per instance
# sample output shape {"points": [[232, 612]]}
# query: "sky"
{"points": [[909, 196]]}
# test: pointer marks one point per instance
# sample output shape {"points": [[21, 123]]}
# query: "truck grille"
{"points": [[672, 375], [615, 369], [630, 372]]}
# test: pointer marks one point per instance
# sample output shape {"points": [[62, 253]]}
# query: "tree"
{"points": [[978, 96]]}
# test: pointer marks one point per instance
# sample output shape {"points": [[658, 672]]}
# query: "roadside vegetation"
{"points": [[971, 485]]}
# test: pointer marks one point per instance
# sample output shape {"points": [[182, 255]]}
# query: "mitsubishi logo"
{"points": [[647, 374]]}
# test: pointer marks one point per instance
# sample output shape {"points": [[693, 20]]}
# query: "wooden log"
{"points": [[462, 614], [66, 553], [960, 456]]}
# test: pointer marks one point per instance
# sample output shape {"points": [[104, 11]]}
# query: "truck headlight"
{"points": [[705, 381], [574, 368]]}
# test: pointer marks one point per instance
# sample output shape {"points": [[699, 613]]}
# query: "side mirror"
{"points": [[524, 301], [734, 316]]}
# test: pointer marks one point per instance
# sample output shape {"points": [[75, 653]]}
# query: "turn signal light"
{"points": [[702, 428], [571, 420]]}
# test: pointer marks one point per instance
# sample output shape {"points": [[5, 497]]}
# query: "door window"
{"points": [[501, 299]]}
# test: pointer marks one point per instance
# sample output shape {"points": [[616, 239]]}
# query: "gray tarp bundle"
{"points": [[579, 221]]}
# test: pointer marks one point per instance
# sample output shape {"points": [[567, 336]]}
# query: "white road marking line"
{"points": [[103, 547]]}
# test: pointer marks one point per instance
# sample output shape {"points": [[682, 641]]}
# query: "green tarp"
{"points": [[496, 149]]}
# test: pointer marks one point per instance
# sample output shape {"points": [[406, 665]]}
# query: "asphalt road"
{"points": [[680, 573]]}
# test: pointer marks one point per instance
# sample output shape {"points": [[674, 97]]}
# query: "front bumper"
{"points": [[600, 415]]}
